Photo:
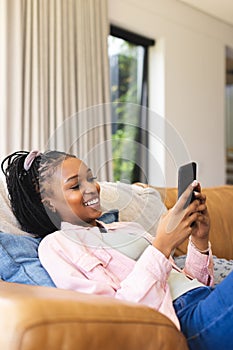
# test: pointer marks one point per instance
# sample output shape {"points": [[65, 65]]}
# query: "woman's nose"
{"points": [[88, 187]]}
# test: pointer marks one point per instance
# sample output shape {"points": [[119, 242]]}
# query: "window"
{"points": [[128, 57]]}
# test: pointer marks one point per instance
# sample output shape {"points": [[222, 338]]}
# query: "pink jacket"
{"points": [[94, 269]]}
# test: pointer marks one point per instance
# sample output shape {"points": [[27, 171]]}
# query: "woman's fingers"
{"points": [[180, 204], [177, 222], [179, 212]]}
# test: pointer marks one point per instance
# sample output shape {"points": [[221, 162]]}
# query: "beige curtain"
{"points": [[55, 80]]}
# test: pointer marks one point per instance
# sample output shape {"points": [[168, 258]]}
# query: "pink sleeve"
{"points": [[148, 280], [199, 266], [147, 283]]}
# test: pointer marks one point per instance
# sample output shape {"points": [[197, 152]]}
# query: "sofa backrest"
{"points": [[220, 207]]}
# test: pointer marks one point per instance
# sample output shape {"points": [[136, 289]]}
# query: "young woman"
{"points": [[54, 195]]}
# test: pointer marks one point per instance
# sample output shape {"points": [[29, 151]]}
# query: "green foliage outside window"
{"points": [[125, 90]]}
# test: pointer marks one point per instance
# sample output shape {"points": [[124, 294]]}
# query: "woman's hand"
{"points": [[201, 227], [175, 226]]}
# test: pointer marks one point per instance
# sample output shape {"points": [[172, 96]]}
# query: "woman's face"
{"points": [[75, 193]]}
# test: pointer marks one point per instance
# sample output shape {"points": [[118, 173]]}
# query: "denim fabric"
{"points": [[19, 261], [110, 216], [206, 316]]}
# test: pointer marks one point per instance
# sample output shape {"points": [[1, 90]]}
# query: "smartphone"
{"points": [[186, 175]]}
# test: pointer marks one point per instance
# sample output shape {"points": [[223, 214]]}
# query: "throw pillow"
{"points": [[135, 203], [20, 262], [8, 222]]}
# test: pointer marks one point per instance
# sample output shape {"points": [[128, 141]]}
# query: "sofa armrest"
{"points": [[46, 318]]}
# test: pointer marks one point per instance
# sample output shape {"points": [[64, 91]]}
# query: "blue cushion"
{"points": [[19, 260]]}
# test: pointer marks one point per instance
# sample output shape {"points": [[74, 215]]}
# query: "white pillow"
{"points": [[8, 222], [135, 203]]}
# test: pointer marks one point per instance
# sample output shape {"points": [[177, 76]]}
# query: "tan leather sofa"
{"points": [[47, 318]]}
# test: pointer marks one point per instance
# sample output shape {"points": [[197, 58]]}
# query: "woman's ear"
{"points": [[97, 187], [48, 204]]}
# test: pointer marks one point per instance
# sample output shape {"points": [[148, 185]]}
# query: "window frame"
{"points": [[142, 136]]}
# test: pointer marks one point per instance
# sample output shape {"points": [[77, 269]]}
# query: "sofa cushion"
{"points": [[19, 260], [8, 222], [222, 267], [135, 203]]}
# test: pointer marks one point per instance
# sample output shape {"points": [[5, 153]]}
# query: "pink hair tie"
{"points": [[30, 159]]}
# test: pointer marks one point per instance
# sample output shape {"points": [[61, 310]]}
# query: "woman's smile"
{"points": [[94, 203], [76, 193]]}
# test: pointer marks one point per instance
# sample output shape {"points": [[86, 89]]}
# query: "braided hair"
{"points": [[26, 188]]}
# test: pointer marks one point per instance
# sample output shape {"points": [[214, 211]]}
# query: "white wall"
{"points": [[187, 81]]}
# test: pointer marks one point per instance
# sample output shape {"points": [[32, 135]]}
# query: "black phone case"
{"points": [[186, 174]]}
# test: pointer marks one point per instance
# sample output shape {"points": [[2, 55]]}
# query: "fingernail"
{"points": [[194, 183]]}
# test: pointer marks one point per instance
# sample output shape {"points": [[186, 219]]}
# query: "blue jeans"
{"points": [[206, 316]]}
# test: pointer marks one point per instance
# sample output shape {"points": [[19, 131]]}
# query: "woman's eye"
{"points": [[76, 187], [92, 179]]}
